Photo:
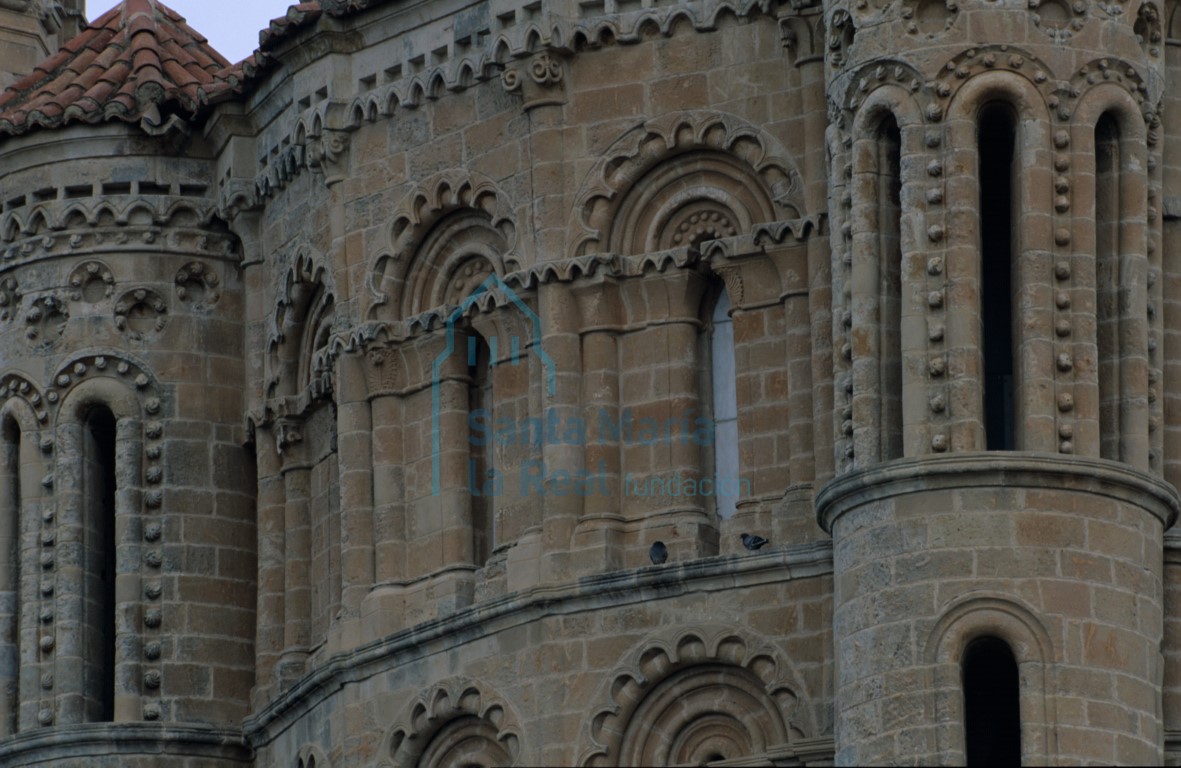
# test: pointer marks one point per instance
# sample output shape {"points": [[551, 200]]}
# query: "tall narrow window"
{"points": [[992, 711], [995, 142], [481, 467], [890, 292], [100, 552], [10, 507], [1107, 283], [724, 386]]}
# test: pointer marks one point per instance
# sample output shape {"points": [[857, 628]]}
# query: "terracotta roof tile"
{"points": [[140, 61], [296, 16]]}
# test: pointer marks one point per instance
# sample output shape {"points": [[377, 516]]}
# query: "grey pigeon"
{"points": [[658, 552], [752, 542]]}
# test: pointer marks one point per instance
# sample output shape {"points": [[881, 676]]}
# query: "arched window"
{"points": [[1107, 282], [99, 553], [10, 507], [996, 137], [481, 465], [890, 291], [723, 384], [992, 713], [316, 333]]}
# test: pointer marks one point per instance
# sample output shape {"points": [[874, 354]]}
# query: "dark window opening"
{"points": [[890, 259], [10, 578], [992, 707], [481, 479], [100, 485], [1107, 216], [995, 139]]}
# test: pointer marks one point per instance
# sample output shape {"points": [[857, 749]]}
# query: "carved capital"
{"points": [[327, 154], [540, 80], [288, 434]]}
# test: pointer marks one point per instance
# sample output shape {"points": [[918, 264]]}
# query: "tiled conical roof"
{"points": [[139, 61]]}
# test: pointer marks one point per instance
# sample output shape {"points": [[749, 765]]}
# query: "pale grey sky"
{"points": [[230, 25]]}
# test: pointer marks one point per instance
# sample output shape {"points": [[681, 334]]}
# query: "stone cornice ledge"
{"points": [[1000, 469], [609, 590], [59, 746], [1173, 550]]}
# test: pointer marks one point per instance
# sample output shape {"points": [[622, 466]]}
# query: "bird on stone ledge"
{"points": [[752, 542], [658, 552]]}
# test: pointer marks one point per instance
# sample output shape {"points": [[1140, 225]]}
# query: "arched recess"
{"points": [[680, 182], [19, 461], [459, 253], [457, 722], [1029, 245], [882, 248], [689, 198], [976, 616], [304, 318], [300, 371], [693, 176], [1110, 149], [449, 234], [99, 436], [696, 696], [487, 371]]}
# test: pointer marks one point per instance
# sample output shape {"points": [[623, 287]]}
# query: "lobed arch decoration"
{"points": [[688, 200], [303, 323], [68, 227], [76, 214], [457, 722], [682, 179], [694, 697], [593, 29], [978, 615], [447, 237]]}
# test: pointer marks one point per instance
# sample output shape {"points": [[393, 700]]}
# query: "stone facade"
{"points": [[345, 391]]}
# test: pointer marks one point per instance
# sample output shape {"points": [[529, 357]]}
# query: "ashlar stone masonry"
{"points": [[346, 390]]}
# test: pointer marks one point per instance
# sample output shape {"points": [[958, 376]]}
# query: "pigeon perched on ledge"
{"points": [[753, 542], [658, 552]]}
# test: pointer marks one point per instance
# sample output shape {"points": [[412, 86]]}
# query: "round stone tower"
{"points": [[998, 511], [123, 475]]}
